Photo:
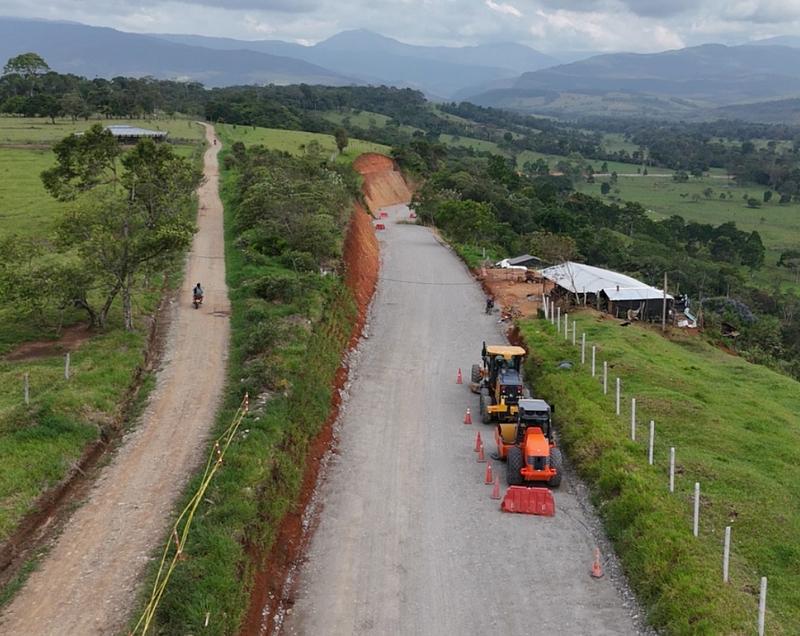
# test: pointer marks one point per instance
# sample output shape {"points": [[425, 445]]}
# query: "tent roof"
{"points": [[134, 131]]}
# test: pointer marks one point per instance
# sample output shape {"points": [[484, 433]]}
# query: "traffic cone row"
{"points": [[478, 442], [481, 456], [488, 479], [459, 379], [496, 488], [467, 417]]}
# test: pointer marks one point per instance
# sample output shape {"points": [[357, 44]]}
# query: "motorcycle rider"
{"points": [[489, 304], [197, 293]]}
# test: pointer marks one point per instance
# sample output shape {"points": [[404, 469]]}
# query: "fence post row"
{"points": [[633, 419], [726, 554], [594, 357], [652, 440], [696, 524], [605, 377], [762, 605]]}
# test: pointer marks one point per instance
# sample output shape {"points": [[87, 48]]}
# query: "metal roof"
{"points": [[579, 278], [635, 293], [519, 260], [120, 130]]}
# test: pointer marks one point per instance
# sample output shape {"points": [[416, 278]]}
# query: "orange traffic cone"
{"points": [[488, 479], [458, 377], [496, 488], [597, 569], [481, 457], [467, 417], [478, 442]]}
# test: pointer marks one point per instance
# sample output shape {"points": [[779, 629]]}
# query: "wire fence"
{"points": [[552, 314]]}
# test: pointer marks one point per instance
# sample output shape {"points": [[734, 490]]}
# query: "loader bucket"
{"points": [[529, 501]]}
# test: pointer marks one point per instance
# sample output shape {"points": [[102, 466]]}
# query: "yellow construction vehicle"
{"points": [[498, 380]]}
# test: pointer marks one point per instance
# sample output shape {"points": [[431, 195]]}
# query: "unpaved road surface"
{"points": [[88, 582], [409, 541]]}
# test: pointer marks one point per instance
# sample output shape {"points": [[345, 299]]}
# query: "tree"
{"points": [[73, 105], [82, 163], [552, 248], [708, 192], [790, 259], [467, 221], [680, 176], [28, 66], [767, 196], [340, 134], [753, 203], [121, 232], [605, 188]]}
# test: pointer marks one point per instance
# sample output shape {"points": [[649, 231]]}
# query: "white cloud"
{"points": [[504, 7]]}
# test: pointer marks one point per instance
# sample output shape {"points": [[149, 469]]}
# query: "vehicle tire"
{"points": [[557, 462], [486, 417], [514, 466], [475, 374]]}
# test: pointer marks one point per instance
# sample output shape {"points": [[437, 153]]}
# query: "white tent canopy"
{"points": [[579, 279]]}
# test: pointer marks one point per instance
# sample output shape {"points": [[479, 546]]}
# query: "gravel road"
{"points": [[90, 579], [408, 540]]}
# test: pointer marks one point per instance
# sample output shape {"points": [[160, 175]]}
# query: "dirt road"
{"points": [[409, 541], [89, 580]]}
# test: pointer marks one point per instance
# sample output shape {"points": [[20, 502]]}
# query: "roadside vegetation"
{"points": [[292, 318], [734, 425]]}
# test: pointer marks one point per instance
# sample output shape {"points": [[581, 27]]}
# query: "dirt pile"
{"points": [[384, 184], [512, 294]]}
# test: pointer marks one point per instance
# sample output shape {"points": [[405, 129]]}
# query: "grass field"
{"points": [[364, 118], [778, 225], [295, 141], [38, 130], [25, 206], [736, 430], [480, 145], [613, 166]]}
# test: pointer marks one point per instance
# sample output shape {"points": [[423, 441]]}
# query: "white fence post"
{"points": [[558, 319], [633, 419], [26, 388], [762, 605], [566, 326], [544, 306], [652, 440], [672, 469], [696, 524], [618, 395], [605, 377], [594, 357], [583, 348], [574, 331], [726, 554], [66, 366]]}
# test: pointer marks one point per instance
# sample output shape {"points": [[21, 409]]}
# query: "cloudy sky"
{"points": [[549, 25]]}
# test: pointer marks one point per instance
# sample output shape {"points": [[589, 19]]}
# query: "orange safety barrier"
{"points": [[529, 501]]}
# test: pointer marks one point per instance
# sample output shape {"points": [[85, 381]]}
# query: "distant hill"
{"points": [[439, 71], [102, 52], [779, 111], [780, 40], [672, 83]]}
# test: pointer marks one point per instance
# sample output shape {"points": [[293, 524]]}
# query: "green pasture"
{"points": [[736, 430], [295, 141], [40, 130]]}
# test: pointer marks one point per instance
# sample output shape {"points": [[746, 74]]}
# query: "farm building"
{"points": [[132, 134], [618, 294]]}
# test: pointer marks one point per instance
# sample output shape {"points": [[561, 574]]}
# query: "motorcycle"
{"points": [[489, 306], [197, 300]]}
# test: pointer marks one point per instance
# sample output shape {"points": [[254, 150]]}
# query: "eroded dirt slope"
{"points": [[384, 184], [89, 581]]}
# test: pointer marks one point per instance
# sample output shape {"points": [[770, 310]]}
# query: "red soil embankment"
{"points": [[384, 184], [362, 264]]}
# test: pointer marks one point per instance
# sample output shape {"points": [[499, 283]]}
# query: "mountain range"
{"points": [[683, 82], [695, 82]]}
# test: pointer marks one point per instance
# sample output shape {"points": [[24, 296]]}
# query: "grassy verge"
{"points": [[736, 431], [290, 380]]}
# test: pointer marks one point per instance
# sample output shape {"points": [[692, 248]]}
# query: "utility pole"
{"points": [[664, 306]]}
